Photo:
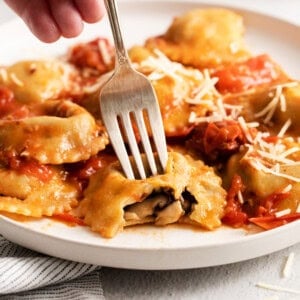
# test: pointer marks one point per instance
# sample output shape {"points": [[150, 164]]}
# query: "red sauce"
{"points": [[267, 205], [69, 219], [88, 55], [216, 141], [80, 172], [254, 72], [9, 107], [26, 166], [263, 215], [234, 216]]}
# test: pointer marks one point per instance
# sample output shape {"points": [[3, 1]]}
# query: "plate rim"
{"points": [[242, 239], [245, 238]]}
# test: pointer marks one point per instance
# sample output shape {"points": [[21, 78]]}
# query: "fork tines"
{"points": [[124, 119]]}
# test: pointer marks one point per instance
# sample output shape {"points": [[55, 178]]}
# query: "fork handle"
{"points": [[121, 53]]}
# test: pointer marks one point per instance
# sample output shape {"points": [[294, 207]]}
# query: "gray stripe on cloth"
{"points": [[25, 273], [87, 287]]}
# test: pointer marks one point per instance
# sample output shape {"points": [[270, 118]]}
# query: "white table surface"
{"points": [[234, 281]]}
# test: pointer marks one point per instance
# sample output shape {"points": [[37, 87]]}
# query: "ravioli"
{"points": [[62, 132], [203, 38], [28, 195], [181, 91], [40, 80], [189, 191], [263, 182]]}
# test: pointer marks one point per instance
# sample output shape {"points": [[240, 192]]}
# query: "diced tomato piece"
{"points": [[83, 170], [80, 172], [234, 216], [89, 55], [268, 204], [26, 166], [9, 107], [217, 140], [254, 72], [30, 167]]}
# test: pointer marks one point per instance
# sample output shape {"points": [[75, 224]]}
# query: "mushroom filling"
{"points": [[160, 208]]}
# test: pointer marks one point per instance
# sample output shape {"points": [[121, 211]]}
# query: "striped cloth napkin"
{"points": [[25, 274]]}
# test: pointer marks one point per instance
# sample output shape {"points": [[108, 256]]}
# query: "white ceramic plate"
{"points": [[147, 247]]}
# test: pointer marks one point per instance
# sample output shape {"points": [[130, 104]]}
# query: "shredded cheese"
{"points": [[282, 101], [277, 288], [16, 80], [245, 129], [284, 128], [104, 52], [240, 197], [213, 118], [278, 100], [287, 270], [190, 85], [207, 87], [276, 171], [287, 189], [271, 156], [160, 66], [3, 74], [282, 212], [272, 298]]}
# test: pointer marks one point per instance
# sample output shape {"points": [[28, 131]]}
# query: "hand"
{"points": [[51, 19]]}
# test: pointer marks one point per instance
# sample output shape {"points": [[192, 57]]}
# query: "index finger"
{"points": [[91, 10]]}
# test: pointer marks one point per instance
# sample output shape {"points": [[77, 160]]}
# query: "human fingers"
{"points": [[91, 10], [67, 17], [37, 16]]}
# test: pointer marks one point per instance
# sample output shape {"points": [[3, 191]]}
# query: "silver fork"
{"points": [[126, 98]]}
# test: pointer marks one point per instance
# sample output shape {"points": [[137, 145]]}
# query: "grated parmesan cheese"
{"points": [[284, 128], [275, 171], [209, 119], [282, 101], [278, 99], [104, 52], [160, 66], [240, 197], [287, 270], [16, 80], [245, 129], [287, 189], [277, 288], [282, 212], [3, 74], [273, 157]]}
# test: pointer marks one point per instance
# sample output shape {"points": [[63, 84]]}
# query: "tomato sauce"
{"points": [[216, 141], [234, 215], [80, 172], [26, 166], [9, 107], [68, 219], [254, 72], [88, 55]]}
